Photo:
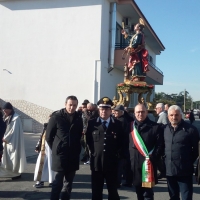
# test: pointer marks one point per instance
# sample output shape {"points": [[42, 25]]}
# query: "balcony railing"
{"points": [[120, 45], [124, 45], [155, 67]]}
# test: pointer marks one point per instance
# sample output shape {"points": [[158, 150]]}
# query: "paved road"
{"points": [[23, 188]]}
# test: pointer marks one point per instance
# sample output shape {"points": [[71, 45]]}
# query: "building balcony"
{"points": [[154, 76]]}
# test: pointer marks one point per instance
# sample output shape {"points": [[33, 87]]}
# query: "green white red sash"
{"points": [[147, 167]]}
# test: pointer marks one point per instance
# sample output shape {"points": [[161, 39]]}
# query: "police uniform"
{"points": [[105, 144]]}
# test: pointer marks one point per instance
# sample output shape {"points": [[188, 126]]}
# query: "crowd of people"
{"points": [[122, 149]]}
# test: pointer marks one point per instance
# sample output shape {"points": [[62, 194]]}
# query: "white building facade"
{"points": [[50, 49]]}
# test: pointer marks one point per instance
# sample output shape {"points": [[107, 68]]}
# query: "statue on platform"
{"points": [[138, 55], [135, 71]]}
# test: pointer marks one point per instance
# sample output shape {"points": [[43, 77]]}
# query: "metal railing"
{"points": [[124, 45], [120, 45], [156, 68]]}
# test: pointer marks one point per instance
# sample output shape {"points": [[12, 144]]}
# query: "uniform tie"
{"points": [[104, 125]]}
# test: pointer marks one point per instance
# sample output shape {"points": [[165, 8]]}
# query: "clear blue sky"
{"points": [[177, 24]]}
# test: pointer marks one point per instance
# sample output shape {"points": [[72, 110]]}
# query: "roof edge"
{"points": [[135, 6]]}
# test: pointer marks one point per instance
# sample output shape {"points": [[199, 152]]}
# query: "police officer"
{"points": [[104, 138]]}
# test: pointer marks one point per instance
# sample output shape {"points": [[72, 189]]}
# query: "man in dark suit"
{"points": [[63, 136], [151, 134], [104, 138]]}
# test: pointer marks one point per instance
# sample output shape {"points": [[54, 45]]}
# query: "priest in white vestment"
{"points": [[43, 172], [14, 158]]}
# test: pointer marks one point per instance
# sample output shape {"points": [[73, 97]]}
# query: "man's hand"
{"points": [[123, 32], [4, 141]]}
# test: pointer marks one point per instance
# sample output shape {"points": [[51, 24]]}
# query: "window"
{"points": [[120, 42], [150, 59]]}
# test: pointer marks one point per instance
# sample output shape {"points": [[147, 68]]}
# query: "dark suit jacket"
{"points": [[105, 147], [181, 149], [64, 140]]}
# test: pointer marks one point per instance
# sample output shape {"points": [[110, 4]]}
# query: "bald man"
{"points": [[151, 134]]}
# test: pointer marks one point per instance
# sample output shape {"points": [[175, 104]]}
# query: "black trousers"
{"points": [[144, 193], [98, 182], [180, 184], [121, 167], [129, 173], [57, 185]]}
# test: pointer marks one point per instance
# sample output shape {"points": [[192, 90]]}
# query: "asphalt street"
{"points": [[22, 188]]}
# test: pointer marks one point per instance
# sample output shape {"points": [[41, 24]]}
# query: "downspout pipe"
{"points": [[113, 12]]}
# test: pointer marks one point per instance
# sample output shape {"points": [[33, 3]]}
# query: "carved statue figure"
{"points": [[138, 62]]}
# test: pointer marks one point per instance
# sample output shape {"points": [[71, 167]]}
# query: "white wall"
{"points": [[108, 80], [51, 48], [119, 18]]}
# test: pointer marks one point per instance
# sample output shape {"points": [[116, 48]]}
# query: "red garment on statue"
{"points": [[134, 58], [144, 53]]}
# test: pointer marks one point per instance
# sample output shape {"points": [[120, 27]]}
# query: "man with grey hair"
{"points": [[162, 116], [181, 151]]}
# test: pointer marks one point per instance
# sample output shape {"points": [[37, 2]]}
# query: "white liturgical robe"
{"points": [[14, 158]]}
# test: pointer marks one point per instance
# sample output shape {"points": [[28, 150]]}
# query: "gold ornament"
{"points": [[105, 100], [141, 21]]}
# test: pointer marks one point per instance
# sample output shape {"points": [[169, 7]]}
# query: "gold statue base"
{"points": [[134, 84], [140, 88]]}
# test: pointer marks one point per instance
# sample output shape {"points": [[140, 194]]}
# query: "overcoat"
{"points": [[181, 149], [152, 135], [197, 173], [105, 146], [64, 140]]}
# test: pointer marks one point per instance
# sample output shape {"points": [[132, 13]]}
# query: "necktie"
{"points": [[104, 125]]}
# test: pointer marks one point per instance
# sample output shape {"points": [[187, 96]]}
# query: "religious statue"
{"points": [[138, 55]]}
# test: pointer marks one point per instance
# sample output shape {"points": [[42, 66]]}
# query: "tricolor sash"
{"points": [[147, 167]]}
